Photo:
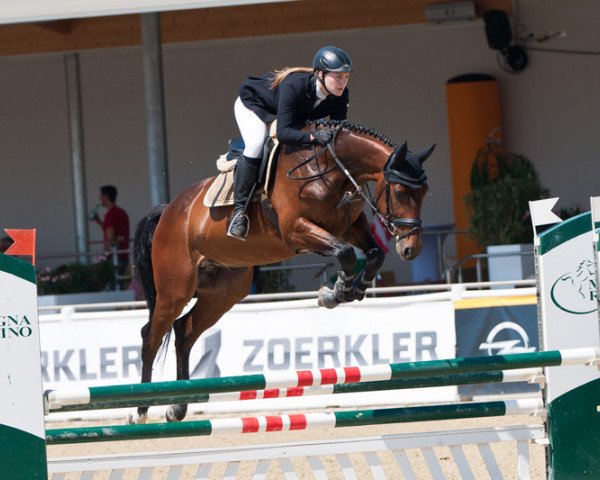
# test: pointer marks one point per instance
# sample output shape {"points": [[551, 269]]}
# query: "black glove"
{"points": [[322, 137]]}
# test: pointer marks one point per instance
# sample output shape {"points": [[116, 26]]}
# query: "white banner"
{"points": [[103, 348]]}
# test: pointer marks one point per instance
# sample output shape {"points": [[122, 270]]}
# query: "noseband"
{"points": [[391, 223]]}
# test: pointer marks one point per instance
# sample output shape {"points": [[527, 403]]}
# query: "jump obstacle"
{"points": [[212, 390], [567, 305]]}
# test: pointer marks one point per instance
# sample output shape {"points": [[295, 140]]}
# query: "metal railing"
{"points": [[440, 237], [412, 292], [321, 267], [113, 254], [97, 253], [458, 266]]}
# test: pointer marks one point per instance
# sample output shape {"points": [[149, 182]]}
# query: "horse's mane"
{"points": [[353, 127]]}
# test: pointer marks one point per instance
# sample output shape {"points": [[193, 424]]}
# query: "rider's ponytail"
{"points": [[281, 75]]}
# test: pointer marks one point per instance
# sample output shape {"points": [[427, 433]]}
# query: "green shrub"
{"points": [[77, 278], [502, 184]]}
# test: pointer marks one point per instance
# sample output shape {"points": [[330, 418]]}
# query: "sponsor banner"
{"points": [[22, 432], [568, 297], [21, 402], [496, 327], [104, 348]]}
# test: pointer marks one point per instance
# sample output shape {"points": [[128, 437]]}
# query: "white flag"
{"points": [[541, 212], [595, 201]]}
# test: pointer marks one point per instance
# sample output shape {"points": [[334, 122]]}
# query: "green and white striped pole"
{"points": [[411, 374], [300, 421], [22, 435], [57, 402]]}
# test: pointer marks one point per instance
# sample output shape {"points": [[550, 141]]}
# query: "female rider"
{"points": [[292, 96]]}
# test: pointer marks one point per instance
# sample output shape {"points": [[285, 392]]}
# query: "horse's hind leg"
{"points": [[219, 290], [169, 304], [177, 413]]}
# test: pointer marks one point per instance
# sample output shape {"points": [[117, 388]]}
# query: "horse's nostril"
{"points": [[407, 252]]}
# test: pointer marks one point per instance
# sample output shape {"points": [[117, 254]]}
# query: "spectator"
{"points": [[115, 226], [5, 242]]}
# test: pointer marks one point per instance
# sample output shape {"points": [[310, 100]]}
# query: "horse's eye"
{"points": [[400, 194]]}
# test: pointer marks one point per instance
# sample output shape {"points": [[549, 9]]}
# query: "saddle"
{"points": [[220, 193]]}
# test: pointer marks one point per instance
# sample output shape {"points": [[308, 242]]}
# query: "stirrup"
{"points": [[233, 234]]}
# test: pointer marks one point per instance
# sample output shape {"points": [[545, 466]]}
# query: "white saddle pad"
{"points": [[220, 193]]}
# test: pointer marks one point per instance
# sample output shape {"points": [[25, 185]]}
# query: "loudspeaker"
{"points": [[516, 58], [497, 29]]}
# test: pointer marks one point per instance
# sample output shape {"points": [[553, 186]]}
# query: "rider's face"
{"points": [[336, 82]]}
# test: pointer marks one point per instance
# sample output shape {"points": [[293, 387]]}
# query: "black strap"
{"points": [[306, 162]]}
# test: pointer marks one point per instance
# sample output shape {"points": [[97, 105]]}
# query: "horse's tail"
{"points": [[142, 254]]}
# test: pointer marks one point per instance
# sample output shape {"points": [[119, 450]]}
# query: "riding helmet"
{"points": [[332, 59]]}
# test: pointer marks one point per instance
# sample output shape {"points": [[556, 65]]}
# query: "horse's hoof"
{"points": [[343, 288], [135, 418], [326, 298], [176, 413], [342, 293], [359, 293]]}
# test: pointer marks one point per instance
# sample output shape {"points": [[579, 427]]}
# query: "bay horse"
{"points": [[316, 204]]}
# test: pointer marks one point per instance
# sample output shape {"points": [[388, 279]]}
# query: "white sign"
{"points": [[567, 297], [19, 343], [104, 348]]}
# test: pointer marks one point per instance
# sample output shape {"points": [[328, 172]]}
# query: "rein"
{"points": [[306, 162], [390, 222]]}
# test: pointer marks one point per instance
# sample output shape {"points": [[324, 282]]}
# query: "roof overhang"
{"points": [[105, 27], [18, 11]]}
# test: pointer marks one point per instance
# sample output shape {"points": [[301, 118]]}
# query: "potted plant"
{"points": [[77, 278], [80, 283], [502, 184]]}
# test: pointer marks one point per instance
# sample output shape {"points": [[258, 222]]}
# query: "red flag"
{"points": [[381, 234], [24, 242]]}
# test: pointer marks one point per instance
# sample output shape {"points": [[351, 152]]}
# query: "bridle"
{"points": [[394, 223], [391, 223]]}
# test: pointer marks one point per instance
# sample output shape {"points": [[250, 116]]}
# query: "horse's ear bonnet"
{"points": [[406, 167]]}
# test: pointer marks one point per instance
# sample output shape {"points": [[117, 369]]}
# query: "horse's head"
{"points": [[402, 190]]}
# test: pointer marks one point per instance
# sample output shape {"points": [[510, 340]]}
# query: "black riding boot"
{"points": [[244, 183]]}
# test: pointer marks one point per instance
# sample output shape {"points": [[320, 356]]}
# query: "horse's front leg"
{"points": [[360, 235], [343, 289], [305, 235]]}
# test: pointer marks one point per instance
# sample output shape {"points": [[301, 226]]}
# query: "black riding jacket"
{"points": [[291, 103]]}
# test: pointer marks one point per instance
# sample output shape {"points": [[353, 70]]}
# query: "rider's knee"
{"points": [[254, 148]]}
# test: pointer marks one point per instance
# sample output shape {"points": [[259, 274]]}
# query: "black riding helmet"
{"points": [[332, 59]]}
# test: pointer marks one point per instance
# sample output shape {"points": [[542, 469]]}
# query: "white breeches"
{"points": [[253, 129]]}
